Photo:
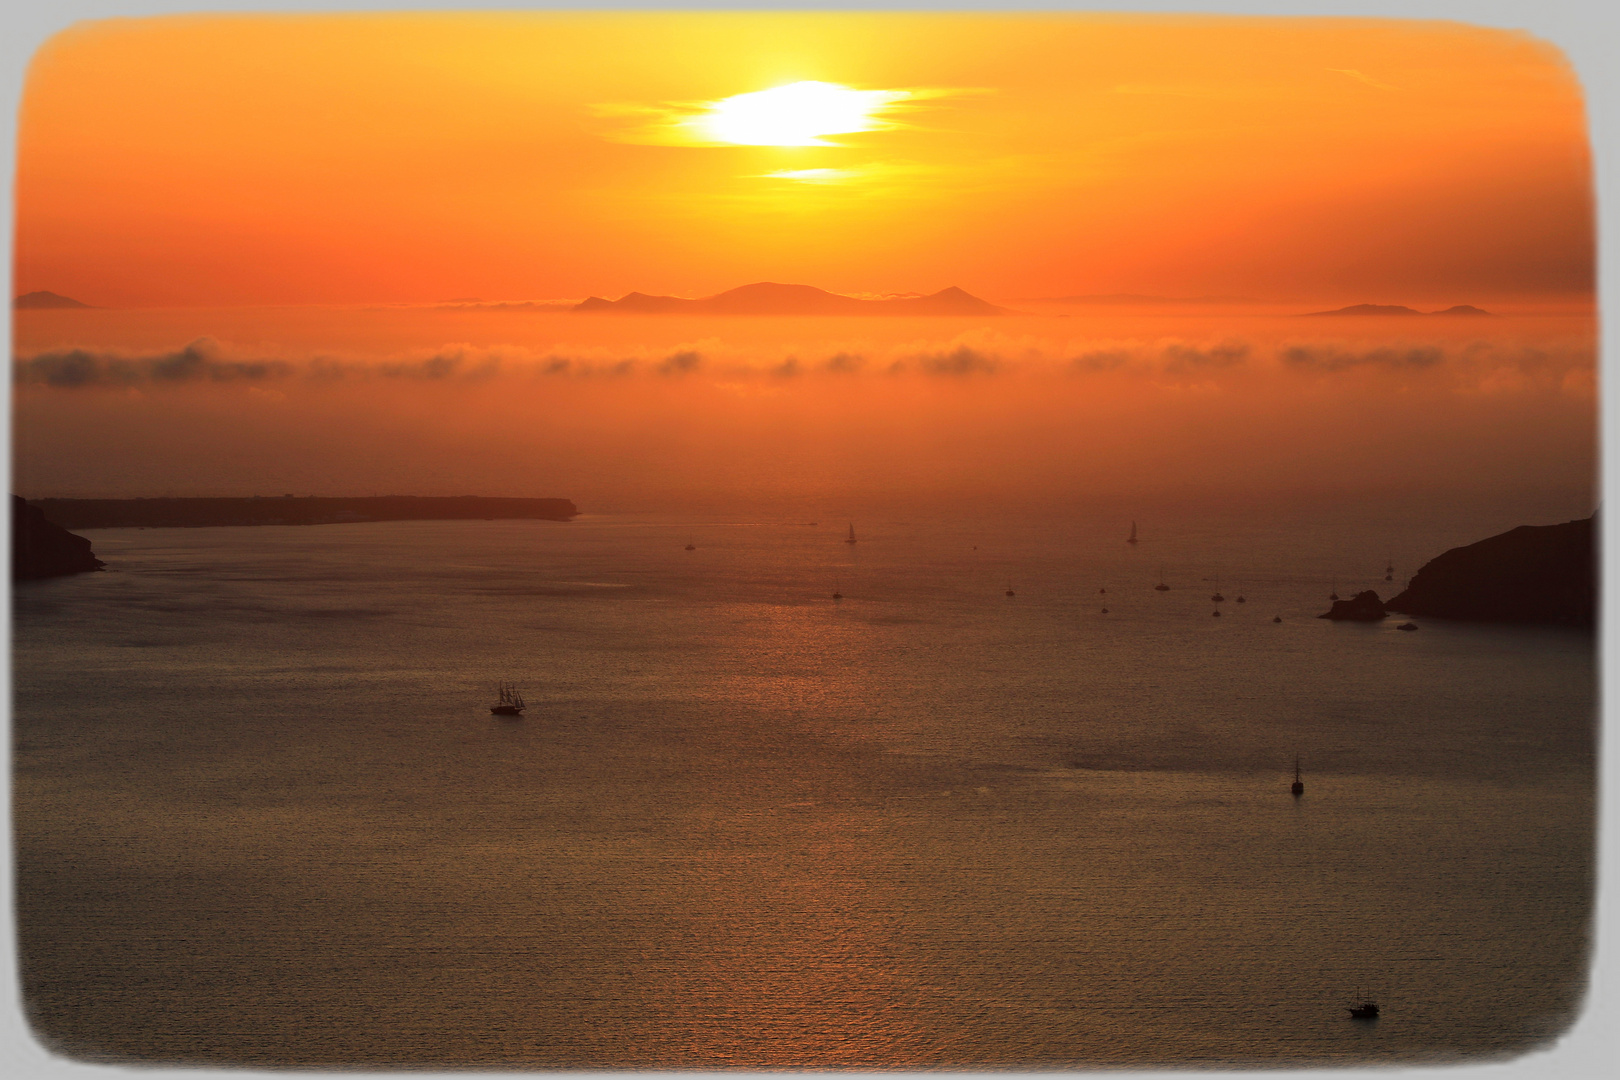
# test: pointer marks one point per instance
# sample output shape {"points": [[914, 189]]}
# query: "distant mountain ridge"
{"points": [[1134, 299], [44, 299], [771, 298], [1399, 309]]}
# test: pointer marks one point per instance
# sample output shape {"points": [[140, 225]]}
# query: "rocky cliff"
{"points": [[1533, 574], [41, 549], [1363, 607]]}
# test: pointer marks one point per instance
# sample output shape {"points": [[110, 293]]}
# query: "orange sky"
{"points": [[292, 159]]}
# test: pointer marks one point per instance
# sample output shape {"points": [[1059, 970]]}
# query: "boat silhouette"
{"points": [[1131, 539], [1299, 785], [850, 539], [1161, 586], [510, 702]]}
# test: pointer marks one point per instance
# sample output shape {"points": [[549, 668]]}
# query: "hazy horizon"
{"points": [[615, 410]]}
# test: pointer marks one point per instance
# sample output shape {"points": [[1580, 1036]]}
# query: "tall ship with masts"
{"points": [[509, 703]]}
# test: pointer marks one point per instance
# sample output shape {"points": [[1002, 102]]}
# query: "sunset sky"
{"points": [[409, 158], [268, 213]]}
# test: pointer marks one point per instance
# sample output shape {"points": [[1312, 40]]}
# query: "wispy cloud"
{"points": [[1369, 80]]}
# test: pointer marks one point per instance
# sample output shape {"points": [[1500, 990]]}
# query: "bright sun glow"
{"points": [[796, 115]]}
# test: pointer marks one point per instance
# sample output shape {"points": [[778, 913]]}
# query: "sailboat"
{"points": [[1131, 539], [1299, 785], [1367, 1010], [1010, 589], [1161, 586], [691, 547], [1217, 598], [850, 539], [510, 703]]}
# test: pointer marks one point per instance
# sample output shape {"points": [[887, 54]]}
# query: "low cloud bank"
{"points": [[972, 356], [200, 361]]}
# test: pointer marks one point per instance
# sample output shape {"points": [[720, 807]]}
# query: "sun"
{"points": [[797, 114]]}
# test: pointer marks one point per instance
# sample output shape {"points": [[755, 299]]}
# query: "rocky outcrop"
{"points": [[41, 549], [1544, 574], [1362, 607]]}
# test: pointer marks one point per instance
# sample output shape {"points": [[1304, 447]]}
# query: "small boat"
{"points": [[1299, 785], [1131, 539], [838, 596], [1277, 619], [1105, 611], [1009, 589], [1407, 626], [1367, 1010], [691, 547], [1334, 595], [510, 703], [1217, 614], [1161, 586], [850, 539]]}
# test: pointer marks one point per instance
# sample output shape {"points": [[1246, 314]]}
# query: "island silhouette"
{"points": [[1399, 309], [43, 299], [770, 298]]}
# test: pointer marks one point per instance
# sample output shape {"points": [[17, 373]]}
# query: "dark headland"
{"points": [[290, 510], [1545, 574], [46, 300], [42, 549], [769, 298]]}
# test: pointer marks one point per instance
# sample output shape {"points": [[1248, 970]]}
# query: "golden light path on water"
{"points": [[745, 825]]}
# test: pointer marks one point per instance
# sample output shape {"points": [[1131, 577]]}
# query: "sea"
{"points": [[1002, 805]]}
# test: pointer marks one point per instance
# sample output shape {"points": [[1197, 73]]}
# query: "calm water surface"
{"points": [[264, 817]]}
